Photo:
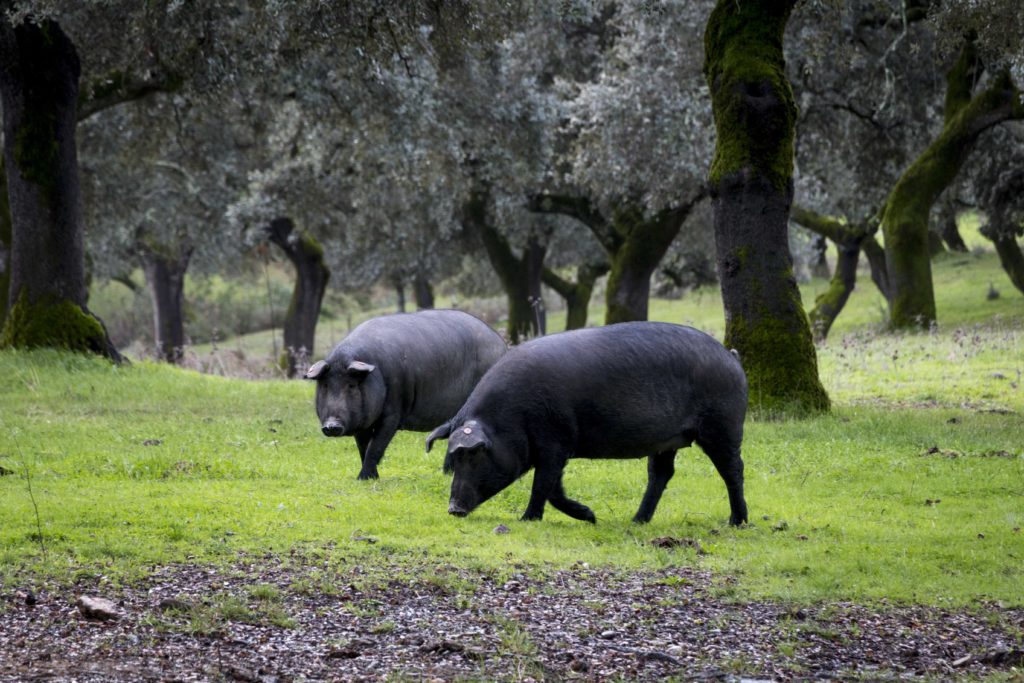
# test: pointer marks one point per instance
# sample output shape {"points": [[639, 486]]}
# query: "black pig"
{"points": [[401, 371], [630, 390]]}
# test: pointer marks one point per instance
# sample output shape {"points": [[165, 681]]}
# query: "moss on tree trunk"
{"points": [[907, 209], [751, 189]]}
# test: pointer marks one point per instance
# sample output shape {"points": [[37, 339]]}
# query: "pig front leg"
{"points": [[546, 478], [660, 468], [574, 509], [376, 446], [362, 442]]}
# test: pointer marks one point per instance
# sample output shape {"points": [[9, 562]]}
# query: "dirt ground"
{"points": [[271, 621]]}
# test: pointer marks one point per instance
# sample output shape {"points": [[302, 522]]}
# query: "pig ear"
{"points": [[357, 369], [441, 432], [466, 440], [316, 369]]}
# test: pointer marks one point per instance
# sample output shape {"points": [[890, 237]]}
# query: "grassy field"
{"points": [[911, 490]]}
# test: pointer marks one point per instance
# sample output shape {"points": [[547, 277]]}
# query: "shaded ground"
{"points": [[310, 619]]}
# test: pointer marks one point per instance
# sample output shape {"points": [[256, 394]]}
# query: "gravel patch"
{"points": [[276, 619]]}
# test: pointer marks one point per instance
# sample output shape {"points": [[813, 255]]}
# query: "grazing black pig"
{"points": [[630, 390], [401, 371]]}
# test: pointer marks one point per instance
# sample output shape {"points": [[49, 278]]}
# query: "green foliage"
{"points": [[781, 367]]}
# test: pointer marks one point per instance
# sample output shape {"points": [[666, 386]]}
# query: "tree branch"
{"points": [[117, 88]]}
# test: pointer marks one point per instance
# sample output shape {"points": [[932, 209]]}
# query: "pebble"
{"points": [[97, 608]]}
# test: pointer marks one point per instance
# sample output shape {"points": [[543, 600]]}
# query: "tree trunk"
{"points": [[311, 276], [1011, 258], [905, 218], [534, 257], [39, 71], [399, 294], [165, 277], [641, 244], [876, 261], [5, 245], [752, 189], [635, 246], [819, 264], [576, 294], [950, 232], [519, 276], [424, 292]]}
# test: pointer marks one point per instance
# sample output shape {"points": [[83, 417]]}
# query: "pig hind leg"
{"points": [[725, 454], [660, 468]]}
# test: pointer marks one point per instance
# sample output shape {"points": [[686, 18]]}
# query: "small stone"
{"points": [[343, 653], [609, 635], [675, 650], [100, 609], [501, 529], [579, 665], [152, 442], [30, 598], [174, 604]]}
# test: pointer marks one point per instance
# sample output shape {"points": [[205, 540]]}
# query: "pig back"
{"points": [[429, 361], [619, 391]]}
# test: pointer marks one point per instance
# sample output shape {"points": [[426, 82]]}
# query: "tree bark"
{"points": [[752, 189], [819, 266], [39, 72], [165, 277], [519, 276], [424, 292], [905, 218], [399, 294], [576, 294], [948, 229], [1011, 258], [311, 276], [5, 245]]}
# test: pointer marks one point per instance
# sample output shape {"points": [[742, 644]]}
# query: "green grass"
{"points": [[136, 466]]}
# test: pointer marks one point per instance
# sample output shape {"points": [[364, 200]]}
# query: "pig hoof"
{"points": [[364, 476], [530, 518]]}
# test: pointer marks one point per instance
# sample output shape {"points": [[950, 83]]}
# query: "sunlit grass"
{"points": [[910, 489], [136, 466]]}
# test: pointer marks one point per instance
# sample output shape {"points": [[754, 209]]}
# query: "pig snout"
{"points": [[332, 427], [455, 509]]}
